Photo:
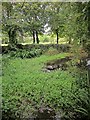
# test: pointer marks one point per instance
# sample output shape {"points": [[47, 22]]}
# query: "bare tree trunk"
{"points": [[70, 40], [9, 35], [37, 39], [57, 35], [33, 36], [12, 36]]}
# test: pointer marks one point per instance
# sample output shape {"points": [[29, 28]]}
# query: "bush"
{"points": [[31, 47], [52, 51], [64, 48], [25, 53]]}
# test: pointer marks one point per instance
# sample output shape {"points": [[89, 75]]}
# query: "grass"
{"points": [[29, 40], [26, 87]]}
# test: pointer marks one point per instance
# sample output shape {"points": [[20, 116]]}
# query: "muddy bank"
{"points": [[60, 64], [44, 113]]}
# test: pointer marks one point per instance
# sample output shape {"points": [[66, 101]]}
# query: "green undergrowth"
{"points": [[21, 53], [51, 51], [26, 87]]}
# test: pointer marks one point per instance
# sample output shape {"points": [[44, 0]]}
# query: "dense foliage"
{"points": [[25, 53], [70, 20], [28, 84]]}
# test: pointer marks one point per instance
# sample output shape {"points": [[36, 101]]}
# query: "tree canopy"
{"points": [[69, 20]]}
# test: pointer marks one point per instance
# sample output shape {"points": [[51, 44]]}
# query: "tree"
{"points": [[9, 20], [34, 18], [69, 20], [58, 15], [75, 26]]}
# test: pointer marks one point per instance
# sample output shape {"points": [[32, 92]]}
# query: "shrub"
{"points": [[64, 48], [51, 51], [25, 53]]}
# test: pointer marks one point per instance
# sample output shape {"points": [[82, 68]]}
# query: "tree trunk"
{"points": [[12, 36], [37, 39], [33, 36], [57, 36], [69, 40], [9, 35]]}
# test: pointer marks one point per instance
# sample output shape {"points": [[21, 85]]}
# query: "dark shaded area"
{"points": [[45, 114], [83, 62], [57, 64], [41, 114], [9, 115], [59, 47]]}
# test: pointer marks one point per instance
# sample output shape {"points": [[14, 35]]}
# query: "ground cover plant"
{"points": [[26, 89]]}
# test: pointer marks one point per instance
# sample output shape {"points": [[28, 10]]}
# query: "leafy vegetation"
{"points": [[65, 20], [52, 51], [25, 54], [27, 88]]}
